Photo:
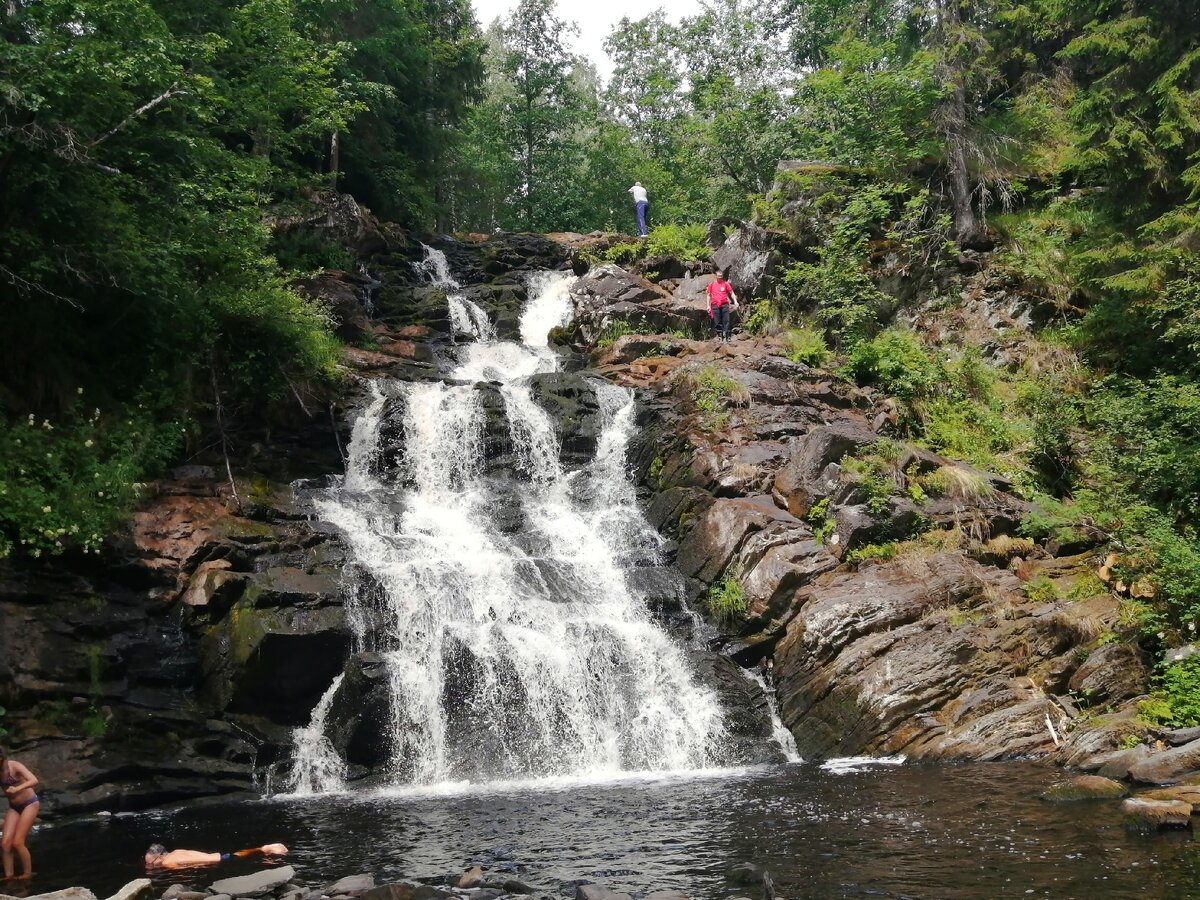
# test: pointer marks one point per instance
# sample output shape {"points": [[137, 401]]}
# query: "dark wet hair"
{"points": [[156, 850]]}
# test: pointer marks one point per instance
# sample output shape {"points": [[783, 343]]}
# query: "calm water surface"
{"points": [[897, 831]]}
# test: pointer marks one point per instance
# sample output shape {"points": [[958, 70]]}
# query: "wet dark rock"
{"points": [[359, 721], [858, 525], [803, 480], [747, 713], [574, 408], [273, 662], [748, 874]]}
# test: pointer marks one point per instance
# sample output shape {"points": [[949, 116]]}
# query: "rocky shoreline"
{"points": [[282, 883]]}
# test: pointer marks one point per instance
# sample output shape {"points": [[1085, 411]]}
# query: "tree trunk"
{"points": [[954, 121], [335, 159]]}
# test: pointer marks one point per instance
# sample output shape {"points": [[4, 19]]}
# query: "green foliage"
{"points": [[881, 552], [1179, 691], [1041, 589], [684, 242], [615, 329], [806, 345], [897, 363], [712, 390], [763, 318], [822, 523], [878, 473], [726, 600], [69, 482]]}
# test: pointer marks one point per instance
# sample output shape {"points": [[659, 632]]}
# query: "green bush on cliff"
{"points": [[726, 600], [807, 345], [897, 363], [69, 481], [1179, 688]]}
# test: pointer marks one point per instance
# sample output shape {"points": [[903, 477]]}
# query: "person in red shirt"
{"points": [[721, 301]]}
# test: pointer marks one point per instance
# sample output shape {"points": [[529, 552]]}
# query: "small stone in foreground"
{"points": [[472, 878], [667, 895], [1154, 815], [255, 884], [598, 892], [132, 890], [351, 884], [1085, 787]]}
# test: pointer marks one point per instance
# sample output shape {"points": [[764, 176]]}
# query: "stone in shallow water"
{"points": [[256, 884], [598, 892], [1085, 787], [471, 878], [351, 884], [667, 895], [1155, 815], [134, 889]]}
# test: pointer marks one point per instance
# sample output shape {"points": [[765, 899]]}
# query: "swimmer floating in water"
{"points": [[158, 857]]}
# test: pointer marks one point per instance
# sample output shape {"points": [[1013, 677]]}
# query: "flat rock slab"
{"points": [[255, 884], [1169, 767], [136, 888], [1188, 793], [667, 895], [1155, 815], [71, 893], [351, 884], [1085, 787]]}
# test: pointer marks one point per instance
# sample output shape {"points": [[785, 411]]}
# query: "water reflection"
{"points": [[900, 831]]}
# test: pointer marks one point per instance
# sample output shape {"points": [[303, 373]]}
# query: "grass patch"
{"points": [[726, 600]]}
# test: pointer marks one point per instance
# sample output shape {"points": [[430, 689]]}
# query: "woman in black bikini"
{"points": [[23, 807]]}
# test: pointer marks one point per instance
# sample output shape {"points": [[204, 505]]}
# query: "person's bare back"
{"points": [[158, 857]]}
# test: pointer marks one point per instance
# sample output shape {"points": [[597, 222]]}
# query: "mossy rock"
{"points": [[1085, 787]]}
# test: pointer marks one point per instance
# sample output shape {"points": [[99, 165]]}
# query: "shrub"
{"points": [[958, 483], [807, 346], [1179, 688], [896, 362], [67, 483], [684, 242], [617, 328]]}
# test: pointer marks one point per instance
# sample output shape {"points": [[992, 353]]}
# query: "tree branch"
{"points": [[172, 91]]}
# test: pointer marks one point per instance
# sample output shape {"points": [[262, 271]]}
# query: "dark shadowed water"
{"points": [[898, 831]]}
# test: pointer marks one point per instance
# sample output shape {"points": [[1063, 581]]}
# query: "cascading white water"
{"points": [[318, 767], [514, 641], [466, 316]]}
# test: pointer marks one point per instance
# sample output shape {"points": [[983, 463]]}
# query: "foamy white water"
{"points": [[516, 648]]}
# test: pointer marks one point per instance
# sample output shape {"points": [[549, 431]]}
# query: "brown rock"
{"points": [[1169, 767], [1156, 815], [1188, 793], [472, 878], [1112, 673], [1085, 787]]}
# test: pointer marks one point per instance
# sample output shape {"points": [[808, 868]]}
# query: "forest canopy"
{"points": [[146, 145]]}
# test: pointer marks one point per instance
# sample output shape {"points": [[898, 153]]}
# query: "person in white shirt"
{"points": [[642, 201]]}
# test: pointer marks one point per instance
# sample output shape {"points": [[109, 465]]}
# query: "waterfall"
{"points": [[318, 767], [466, 317], [515, 641]]}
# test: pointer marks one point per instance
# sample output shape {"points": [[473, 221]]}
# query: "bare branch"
{"points": [[22, 284], [172, 91]]}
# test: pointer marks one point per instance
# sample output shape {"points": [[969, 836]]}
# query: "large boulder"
{"points": [[274, 662], [1111, 674], [752, 261], [340, 295], [803, 481], [1169, 767], [360, 714], [608, 297]]}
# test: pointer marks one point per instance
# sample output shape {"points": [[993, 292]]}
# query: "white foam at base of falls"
{"points": [[318, 768]]}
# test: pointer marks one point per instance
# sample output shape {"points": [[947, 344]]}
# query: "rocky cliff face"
{"points": [[891, 620]]}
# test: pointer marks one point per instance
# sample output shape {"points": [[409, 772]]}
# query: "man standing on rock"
{"points": [[641, 201], [721, 298]]}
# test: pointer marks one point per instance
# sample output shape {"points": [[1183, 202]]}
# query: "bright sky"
{"points": [[595, 19]]}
